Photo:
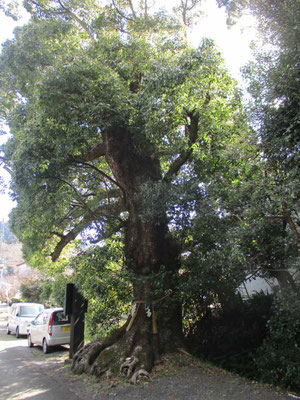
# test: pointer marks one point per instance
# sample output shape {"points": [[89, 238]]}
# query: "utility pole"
{"points": [[3, 264], [2, 258]]}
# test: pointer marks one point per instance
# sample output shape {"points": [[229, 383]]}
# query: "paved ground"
{"points": [[25, 373], [28, 374]]}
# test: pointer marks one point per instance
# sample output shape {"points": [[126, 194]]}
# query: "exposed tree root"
{"points": [[83, 360], [141, 373], [128, 366], [126, 353], [131, 351]]}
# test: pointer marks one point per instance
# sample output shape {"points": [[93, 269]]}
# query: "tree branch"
{"points": [[192, 133], [64, 11], [287, 217], [132, 9], [96, 151], [66, 239], [100, 172], [121, 13], [80, 22], [92, 216], [5, 166], [184, 156]]}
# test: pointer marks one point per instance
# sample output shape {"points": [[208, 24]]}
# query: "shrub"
{"points": [[31, 291], [103, 282], [278, 359], [228, 337]]}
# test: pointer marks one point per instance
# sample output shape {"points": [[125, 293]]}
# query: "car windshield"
{"points": [[29, 311], [59, 318]]}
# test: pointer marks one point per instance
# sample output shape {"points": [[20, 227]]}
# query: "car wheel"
{"points": [[17, 332], [30, 344], [46, 348], [7, 330]]}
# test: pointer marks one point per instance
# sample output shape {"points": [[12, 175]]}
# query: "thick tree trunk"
{"points": [[153, 259], [285, 279]]}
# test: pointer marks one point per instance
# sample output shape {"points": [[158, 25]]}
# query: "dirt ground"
{"points": [[189, 380], [179, 377]]}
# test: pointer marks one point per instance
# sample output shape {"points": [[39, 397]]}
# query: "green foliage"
{"points": [[219, 214], [72, 94], [274, 84], [278, 359], [50, 292], [53, 290], [10, 8], [99, 276], [229, 337], [46, 290], [212, 270], [257, 338], [31, 291]]}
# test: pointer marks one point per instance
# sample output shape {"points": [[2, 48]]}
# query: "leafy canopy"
{"points": [[87, 70]]}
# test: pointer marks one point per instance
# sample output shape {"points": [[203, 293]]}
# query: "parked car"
{"points": [[20, 316], [50, 328]]}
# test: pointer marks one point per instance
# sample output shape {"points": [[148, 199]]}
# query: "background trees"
{"points": [[274, 86], [268, 238]]}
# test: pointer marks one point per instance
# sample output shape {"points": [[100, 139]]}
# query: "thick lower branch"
{"points": [[96, 151], [93, 215]]}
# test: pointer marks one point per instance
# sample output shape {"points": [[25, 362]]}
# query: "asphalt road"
{"points": [[25, 373]]}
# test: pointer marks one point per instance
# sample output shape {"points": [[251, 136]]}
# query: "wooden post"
{"points": [[76, 306]]}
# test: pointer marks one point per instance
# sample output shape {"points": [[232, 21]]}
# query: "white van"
{"points": [[20, 316]]}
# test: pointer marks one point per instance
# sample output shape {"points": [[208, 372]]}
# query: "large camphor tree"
{"points": [[110, 111]]}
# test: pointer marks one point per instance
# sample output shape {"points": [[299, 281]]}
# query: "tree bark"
{"points": [[155, 325], [285, 279]]}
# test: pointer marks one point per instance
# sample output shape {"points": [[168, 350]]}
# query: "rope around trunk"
{"points": [[154, 319]]}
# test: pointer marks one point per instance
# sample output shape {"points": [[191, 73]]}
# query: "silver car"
{"points": [[50, 328]]}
